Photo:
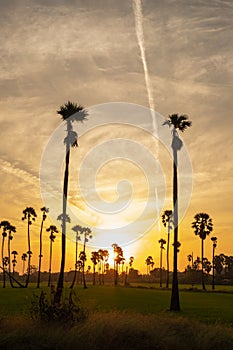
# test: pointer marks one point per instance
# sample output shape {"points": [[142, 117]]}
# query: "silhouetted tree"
{"points": [[95, 260], [190, 260], [29, 214], [150, 263], [86, 231], [167, 221], [5, 226], [178, 123], [14, 261], [69, 112], [11, 229], [202, 226], [78, 230], [24, 258], [214, 240], [118, 252], [52, 229], [161, 242], [44, 216]]}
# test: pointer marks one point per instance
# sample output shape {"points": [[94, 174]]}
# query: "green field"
{"points": [[122, 318]]}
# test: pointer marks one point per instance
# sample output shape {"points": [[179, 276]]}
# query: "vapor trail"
{"points": [[137, 7]]}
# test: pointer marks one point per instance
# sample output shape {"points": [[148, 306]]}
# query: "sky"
{"points": [[87, 52]]}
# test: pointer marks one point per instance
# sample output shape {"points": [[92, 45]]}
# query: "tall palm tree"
{"points": [[69, 112], [11, 229], [86, 231], [14, 261], [161, 242], [95, 260], [5, 226], [167, 221], [52, 229], [202, 226], [214, 240], [44, 216], [78, 230], [29, 214], [178, 122], [23, 258], [101, 260]]}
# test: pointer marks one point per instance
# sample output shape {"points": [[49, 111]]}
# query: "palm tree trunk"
{"points": [[202, 269], [40, 256], [50, 263], [60, 284], [75, 267], [84, 279], [175, 301], [93, 274], [213, 284], [160, 270], [29, 256], [168, 243], [4, 273], [9, 262]]}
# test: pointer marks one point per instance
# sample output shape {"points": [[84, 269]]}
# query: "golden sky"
{"points": [[87, 51]]}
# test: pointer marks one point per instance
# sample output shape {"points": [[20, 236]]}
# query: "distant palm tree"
{"points": [[70, 112], [78, 230], [82, 259], [105, 260], [86, 231], [214, 240], [161, 242], [24, 258], [101, 260], [131, 260], [14, 261], [29, 214], [150, 263], [167, 221], [202, 226], [11, 229], [178, 122], [5, 226], [118, 252], [52, 229], [44, 216], [190, 260], [95, 260]]}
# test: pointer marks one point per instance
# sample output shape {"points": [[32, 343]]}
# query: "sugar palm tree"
{"points": [[202, 226], [29, 214], [167, 222], [118, 252], [44, 216], [190, 260], [95, 260], [161, 242], [101, 260], [105, 260], [78, 230], [11, 229], [69, 112], [181, 123], [214, 240], [14, 261], [150, 263], [86, 231], [24, 258], [5, 226], [52, 229]]}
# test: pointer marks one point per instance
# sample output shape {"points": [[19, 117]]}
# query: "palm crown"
{"points": [[202, 225], [73, 111], [180, 122]]}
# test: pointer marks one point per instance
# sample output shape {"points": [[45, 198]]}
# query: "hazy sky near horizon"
{"points": [[87, 51]]}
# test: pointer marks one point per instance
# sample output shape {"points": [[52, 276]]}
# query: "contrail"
{"points": [[137, 7]]}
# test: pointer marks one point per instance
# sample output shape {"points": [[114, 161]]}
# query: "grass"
{"points": [[121, 318]]}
